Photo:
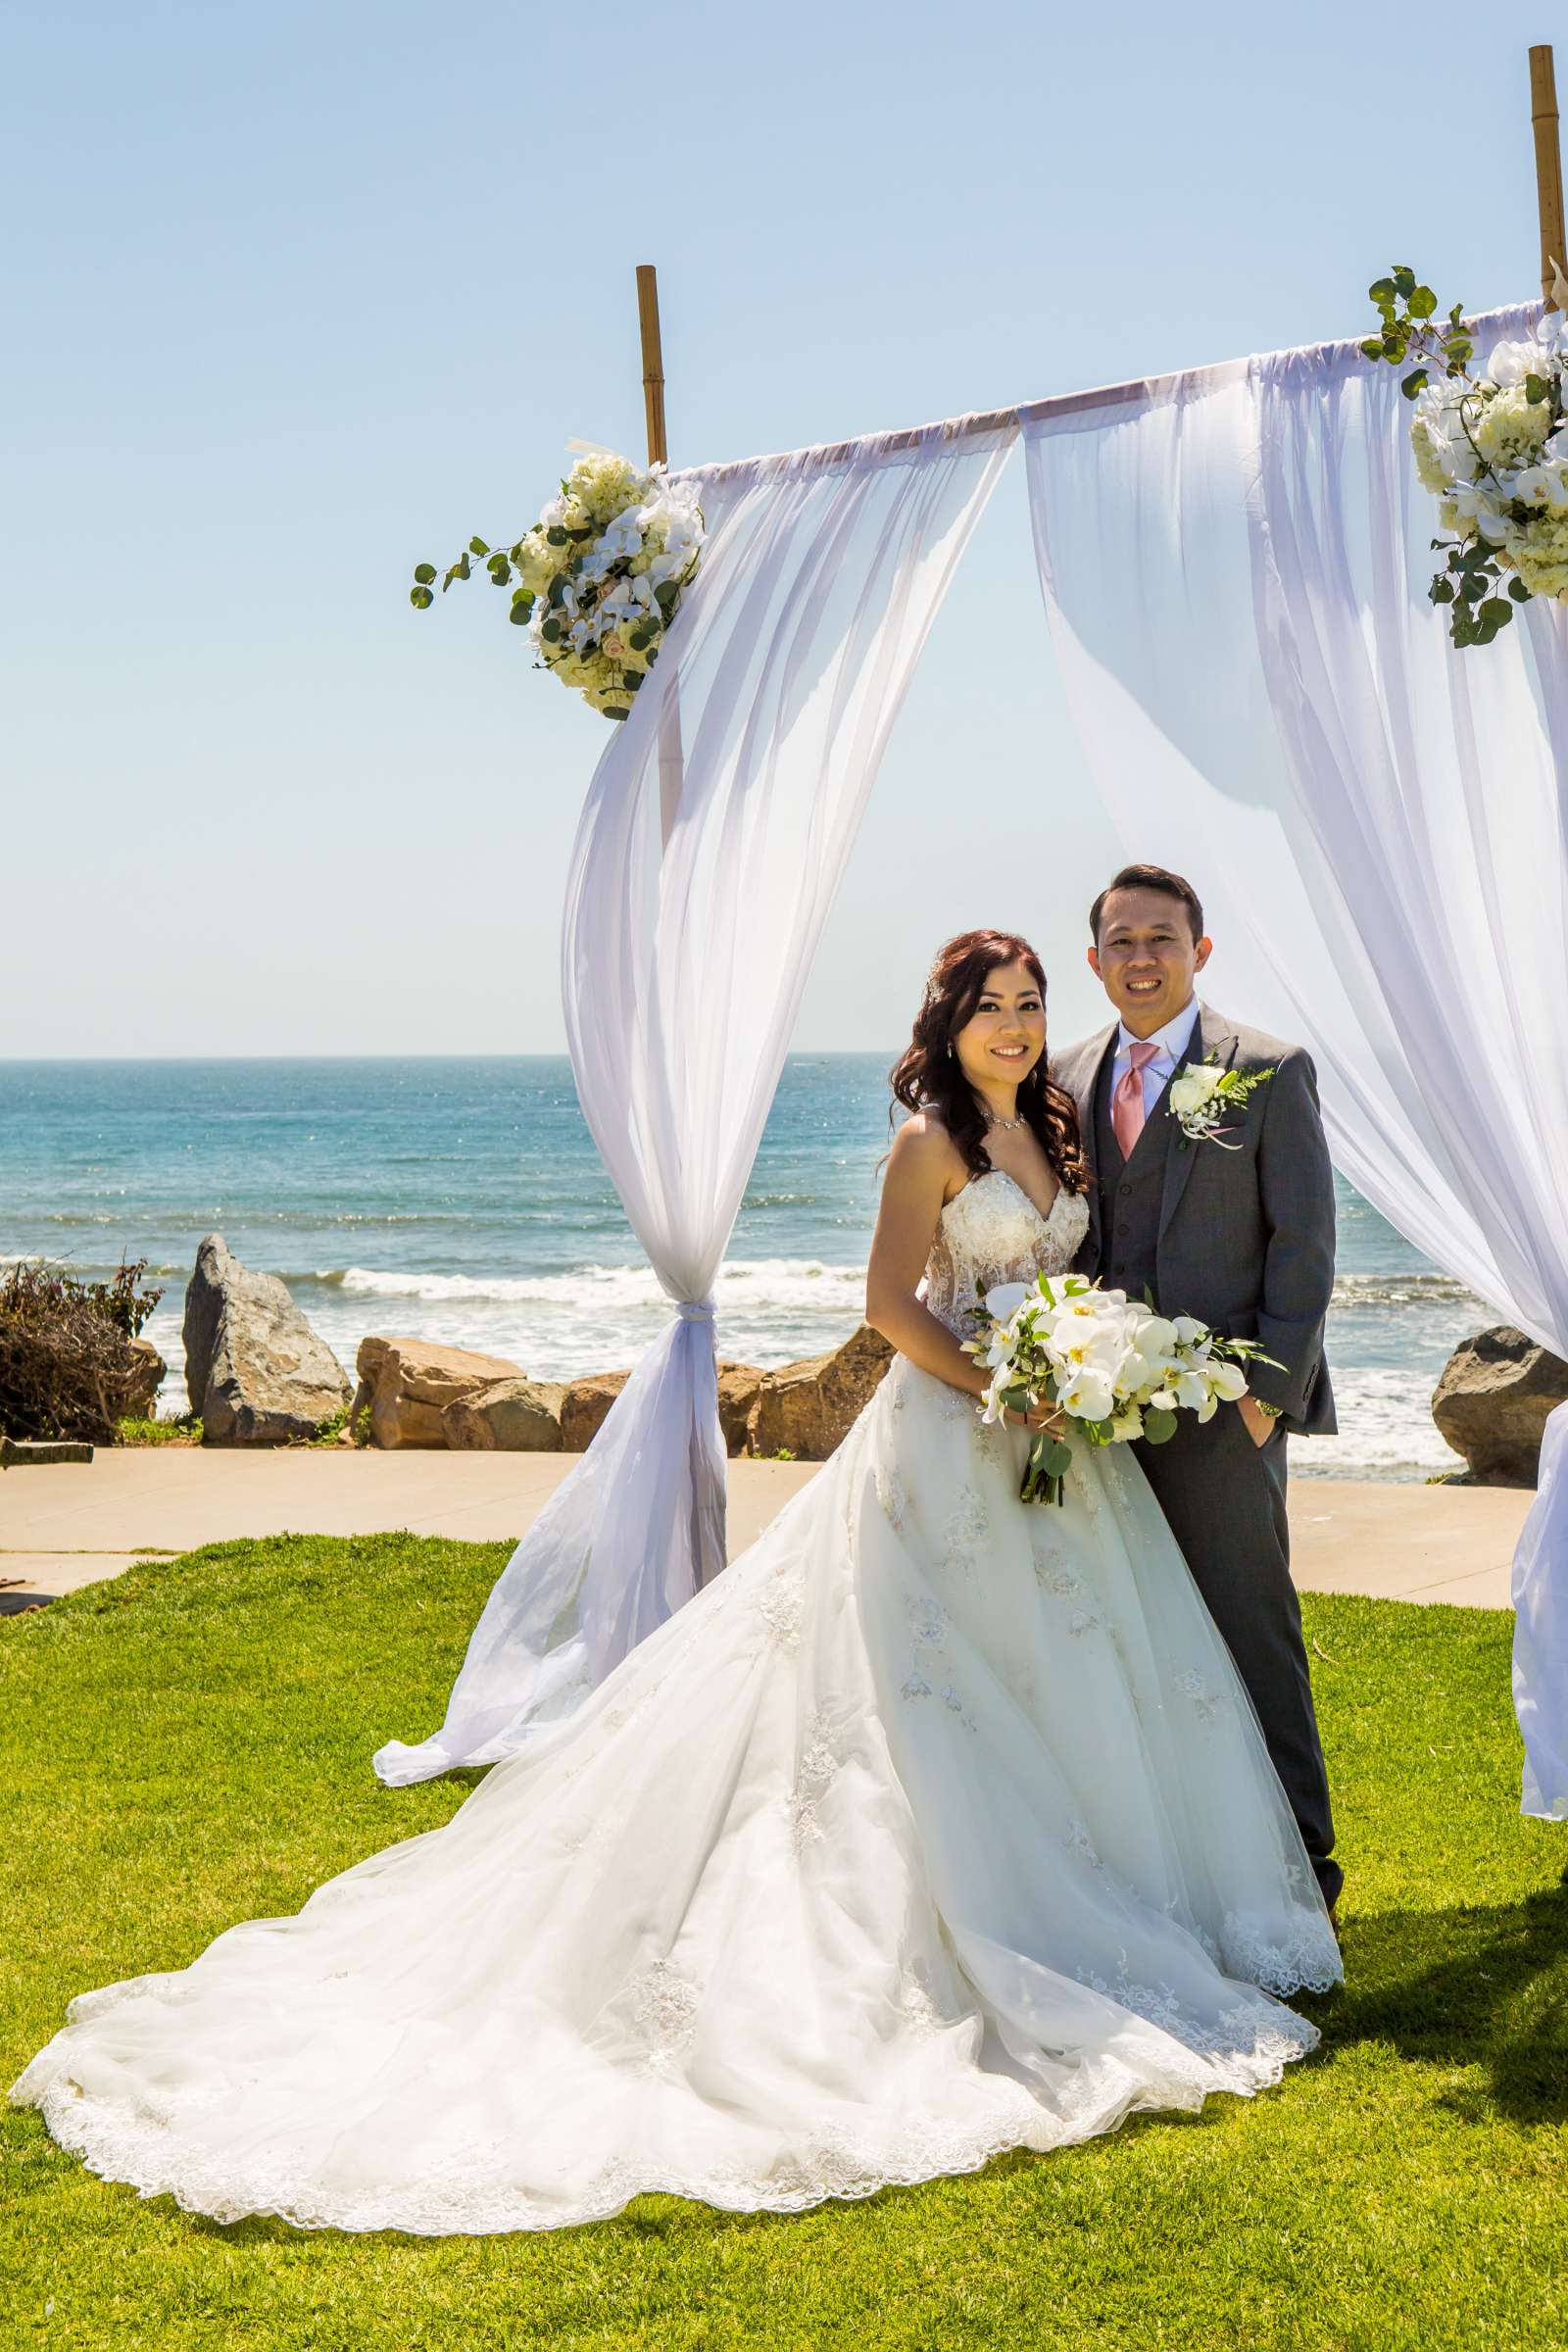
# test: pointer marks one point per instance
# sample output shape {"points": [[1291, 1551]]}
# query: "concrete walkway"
{"points": [[67, 1525]]}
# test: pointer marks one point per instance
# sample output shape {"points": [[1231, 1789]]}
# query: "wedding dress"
{"points": [[939, 1825]]}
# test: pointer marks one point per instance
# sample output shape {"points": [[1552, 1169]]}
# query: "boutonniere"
{"points": [[1201, 1093]]}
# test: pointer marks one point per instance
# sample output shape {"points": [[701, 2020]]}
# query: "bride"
{"points": [[938, 1825]]}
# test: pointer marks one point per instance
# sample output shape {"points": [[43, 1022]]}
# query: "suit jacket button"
{"points": [[1124, 1189]]}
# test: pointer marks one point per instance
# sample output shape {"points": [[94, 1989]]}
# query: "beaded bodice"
{"points": [[992, 1232]]}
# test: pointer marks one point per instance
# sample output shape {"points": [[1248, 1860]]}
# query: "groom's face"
{"points": [[1146, 957]]}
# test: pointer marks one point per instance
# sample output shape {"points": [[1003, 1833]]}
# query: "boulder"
{"points": [[408, 1384], [511, 1416], [141, 1395], [584, 1407], [808, 1408], [255, 1370], [739, 1386], [1492, 1403]]}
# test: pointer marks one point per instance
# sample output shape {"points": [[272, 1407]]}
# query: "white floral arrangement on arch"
{"points": [[1492, 447], [599, 577], [1114, 1369]]}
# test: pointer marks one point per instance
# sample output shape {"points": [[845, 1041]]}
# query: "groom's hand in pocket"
{"points": [[1260, 1426]]}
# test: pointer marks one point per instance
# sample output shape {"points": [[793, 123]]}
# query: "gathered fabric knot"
{"points": [[695, 1310]]}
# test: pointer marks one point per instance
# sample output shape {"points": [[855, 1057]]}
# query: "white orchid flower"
{"points": [[1089, 1396], [1512, 363], [1227, 1382], [1006, 1300]]}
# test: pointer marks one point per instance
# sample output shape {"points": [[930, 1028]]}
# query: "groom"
{"points": [[1239, 1231]]}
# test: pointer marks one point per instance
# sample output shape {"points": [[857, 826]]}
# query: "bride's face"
{"points": [[1005, 1034]]}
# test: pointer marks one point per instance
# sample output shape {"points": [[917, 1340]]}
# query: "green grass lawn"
{"points": [[190, 1745]]}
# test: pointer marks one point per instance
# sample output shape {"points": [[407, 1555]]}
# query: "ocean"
{"points": [[462, 1201]]}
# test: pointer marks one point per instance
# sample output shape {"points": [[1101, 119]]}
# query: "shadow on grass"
{"points": [[1468, 1987]]}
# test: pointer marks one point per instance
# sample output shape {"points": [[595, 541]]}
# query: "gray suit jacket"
{"points": [[1245, 1237]]}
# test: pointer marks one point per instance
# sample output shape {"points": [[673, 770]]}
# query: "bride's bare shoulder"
{"points": [[924, 1150]]}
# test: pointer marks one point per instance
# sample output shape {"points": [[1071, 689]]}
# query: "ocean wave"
{"points": [[787, 1283], [1352, 1290]]}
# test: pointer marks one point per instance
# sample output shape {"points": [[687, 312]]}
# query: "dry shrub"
{"points": [[68, 1368]]}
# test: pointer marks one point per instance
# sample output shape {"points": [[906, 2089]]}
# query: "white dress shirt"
{"points": [[1173, 1041]]}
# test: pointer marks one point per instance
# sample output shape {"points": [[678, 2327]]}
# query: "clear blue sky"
{"points": [[300, 295]]}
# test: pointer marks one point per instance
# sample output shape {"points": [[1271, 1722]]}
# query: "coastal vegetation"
{"points": [[71, 1363], [213, 1719]]}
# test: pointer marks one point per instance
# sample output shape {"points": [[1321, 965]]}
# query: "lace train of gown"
{"points": [[939, 1825]]}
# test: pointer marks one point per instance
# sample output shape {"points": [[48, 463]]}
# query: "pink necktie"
{"points": [[1127, 1102]]}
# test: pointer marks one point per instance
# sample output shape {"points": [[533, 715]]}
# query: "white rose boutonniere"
{"points": [[1202, 1093]]}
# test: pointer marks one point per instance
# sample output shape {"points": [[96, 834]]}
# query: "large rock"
{"points": [[808, 1408], [739, 1386], [587, 1402], [408, 1384], [255, 1370], [1492, 1403], [511, 1416], [585, 1406]]}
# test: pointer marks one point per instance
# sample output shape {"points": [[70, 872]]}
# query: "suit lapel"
{"points": [[1212, 1040], [1084, 1085]]}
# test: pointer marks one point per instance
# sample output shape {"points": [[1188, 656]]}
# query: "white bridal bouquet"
{"points": [[1492, 449], [1114, 1369], [598, 580]]}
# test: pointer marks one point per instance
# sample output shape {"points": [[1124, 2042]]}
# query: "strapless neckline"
{"points": [[1047, 1217]]}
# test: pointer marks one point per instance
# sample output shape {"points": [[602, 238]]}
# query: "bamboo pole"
{"points": [[671, 750], [1548, 169], [654, 362]]}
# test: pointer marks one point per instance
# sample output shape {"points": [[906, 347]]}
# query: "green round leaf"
{"points": [[1414, 383], [1372, 348], [421, 598], [556, 536], [424, 573], [1441, 591], [1381, 291], [521, 614], [477, 547], [1159, 1426], [1494, 612], [550, 632], [1403, 280], [1518, 591], [1423, 302]]}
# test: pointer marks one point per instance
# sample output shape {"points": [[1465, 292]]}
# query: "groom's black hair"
{"points": [[1149, 877]]}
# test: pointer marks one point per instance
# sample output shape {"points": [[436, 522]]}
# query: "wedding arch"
{"points": [[1381, 823]]}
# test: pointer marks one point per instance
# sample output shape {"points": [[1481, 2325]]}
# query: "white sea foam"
{"points": [[771, 1286]]}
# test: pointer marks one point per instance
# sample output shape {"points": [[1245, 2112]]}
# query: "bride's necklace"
{"points": [[1007, 1125]]}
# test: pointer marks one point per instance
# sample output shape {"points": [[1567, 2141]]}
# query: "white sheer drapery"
{"points": [[714, 839], [1234, 566]]}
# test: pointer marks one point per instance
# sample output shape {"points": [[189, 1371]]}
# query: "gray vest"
{"points": [[1131, 1195]]}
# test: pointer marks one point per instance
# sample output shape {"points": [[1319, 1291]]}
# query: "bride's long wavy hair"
{"points": [[928, 1075]]}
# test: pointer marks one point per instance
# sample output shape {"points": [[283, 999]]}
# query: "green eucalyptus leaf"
{"points": [[1159, 1425], [1056, 1456], [550, 632], [421, 598], [1518, 591], [424, 573], [1403, 280], [477, 547], [1414, 383], [1537, 389], [1380, 291], [556, 536], [1441, 591], [1423, 302], [1495, 612]]}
